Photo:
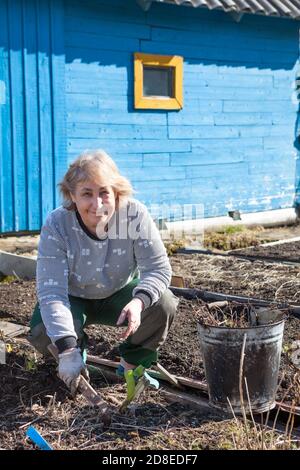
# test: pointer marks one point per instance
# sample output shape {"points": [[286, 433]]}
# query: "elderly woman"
{"points": [[100, 261]]}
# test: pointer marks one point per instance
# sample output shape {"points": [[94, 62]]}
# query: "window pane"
{"points": [[158, 81]]}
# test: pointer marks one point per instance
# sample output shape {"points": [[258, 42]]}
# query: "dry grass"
{"points": [[7, 279], [224, 239], [251, 435], [231, 240], [216, 273], [232, 237], [173, 245], [227, 315]]}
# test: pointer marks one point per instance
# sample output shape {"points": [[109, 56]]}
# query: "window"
{"points": [[158, 81]]}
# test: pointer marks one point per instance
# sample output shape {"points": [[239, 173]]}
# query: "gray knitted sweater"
{"points": [[72, 261]]}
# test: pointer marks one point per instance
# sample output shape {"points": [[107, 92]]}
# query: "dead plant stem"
{"points": [[241, 388]]}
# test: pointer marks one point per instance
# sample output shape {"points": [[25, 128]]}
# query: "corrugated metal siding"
{"points": [[32, 113], [282, 8], [232, 145]]}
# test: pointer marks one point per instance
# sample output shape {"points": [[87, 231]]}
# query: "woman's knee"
{"points": [[39, 339], [166, 306]]}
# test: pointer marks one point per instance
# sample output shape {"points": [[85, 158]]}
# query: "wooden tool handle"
{"points": [[84, 387]]}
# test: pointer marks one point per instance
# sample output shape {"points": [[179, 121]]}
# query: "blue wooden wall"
{"points": [[66, 84], [32, 111], [231, 147]]}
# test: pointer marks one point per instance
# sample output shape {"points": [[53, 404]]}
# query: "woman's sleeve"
{"points": [[152, 261], [52, 286]]}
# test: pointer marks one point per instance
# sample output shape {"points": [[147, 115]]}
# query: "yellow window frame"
{"points": [[157, 102]]}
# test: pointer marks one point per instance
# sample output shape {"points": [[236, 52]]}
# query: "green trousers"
{"points": [[140, 348]]}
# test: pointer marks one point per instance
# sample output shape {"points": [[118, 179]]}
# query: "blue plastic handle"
{"points": [[39, 441]]}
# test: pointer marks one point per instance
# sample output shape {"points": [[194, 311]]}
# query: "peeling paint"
{"points": [[2, 92]]}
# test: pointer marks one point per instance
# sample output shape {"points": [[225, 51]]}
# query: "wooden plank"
{"points": [[237, 170], [202, 132], [17, 114], [156, 374], [58, 92], [101, 42], [31, 114], [95, 115], [121, 131], [191, 383], [119, 11], [258, 106], [102, 57], [250, 38], [131, 146], [10, 330], [280, 242], [101, 361], [153, 159], [218, 304], [193, 159], [6, 193], [94, 25], [169, 377], [177, 281], [200, 403], [45, 111]]}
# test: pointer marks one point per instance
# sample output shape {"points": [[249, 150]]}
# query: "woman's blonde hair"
{"points": [[98, 166]]}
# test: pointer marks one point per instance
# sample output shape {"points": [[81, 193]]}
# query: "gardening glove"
{"points": [[70, 367]]}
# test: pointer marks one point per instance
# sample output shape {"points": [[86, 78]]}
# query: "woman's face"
{"points": [[95, 204]]}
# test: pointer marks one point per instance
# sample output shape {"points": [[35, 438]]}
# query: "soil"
{"points": [[31, 392], [288, 251], [230, 275], [280, 233]]}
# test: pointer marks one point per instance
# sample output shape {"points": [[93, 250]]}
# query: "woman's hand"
{"points": [[132, 312], [70, 366]]}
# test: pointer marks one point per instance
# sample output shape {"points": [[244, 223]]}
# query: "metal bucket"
{"points": [[221, 352]]}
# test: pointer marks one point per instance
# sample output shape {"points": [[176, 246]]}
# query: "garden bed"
{"points": [[288, 251], [31, 392], [230, 275]]}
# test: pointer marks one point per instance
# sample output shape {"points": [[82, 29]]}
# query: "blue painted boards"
{"points": [[232, 145], [32, 116], [66, 84]]}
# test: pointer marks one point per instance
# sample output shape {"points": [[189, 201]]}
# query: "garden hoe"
{"points": [[89, 393]]}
